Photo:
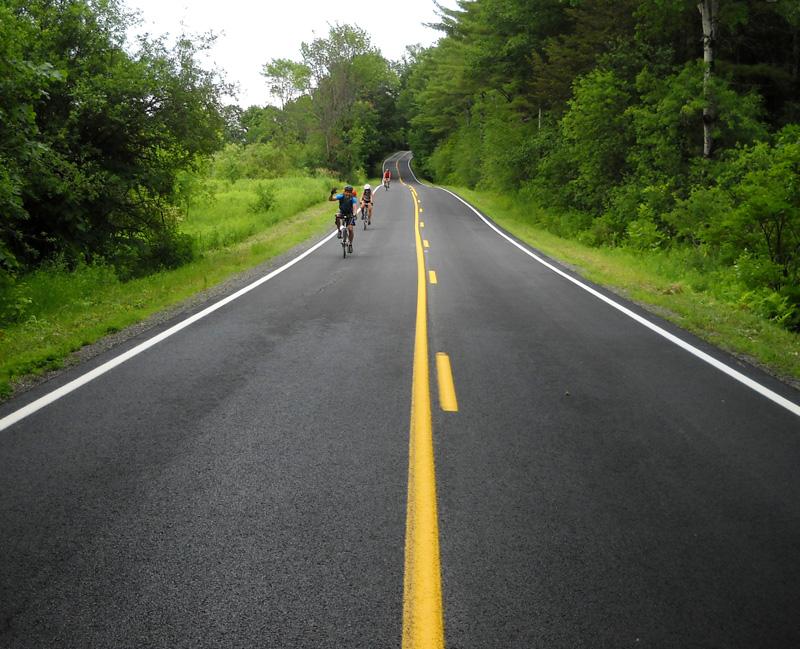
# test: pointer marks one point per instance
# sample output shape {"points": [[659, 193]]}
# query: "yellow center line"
{"points": [[423, 618], [425, 243], [447, 388], [421, 224], [432, 276]]}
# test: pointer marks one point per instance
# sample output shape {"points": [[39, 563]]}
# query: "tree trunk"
{"points": [[709, 14]]}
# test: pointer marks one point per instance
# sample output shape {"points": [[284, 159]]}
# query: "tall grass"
{"points": [[230, 216], [65, 310]]}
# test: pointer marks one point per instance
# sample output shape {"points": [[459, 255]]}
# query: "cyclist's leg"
{"points": [[351, 232]]}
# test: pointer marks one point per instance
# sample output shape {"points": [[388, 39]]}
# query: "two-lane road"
{"points": [[244, 482]]}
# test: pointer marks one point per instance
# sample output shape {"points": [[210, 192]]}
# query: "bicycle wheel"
{"points": [[344, 244]]}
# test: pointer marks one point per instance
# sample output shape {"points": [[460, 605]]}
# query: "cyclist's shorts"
{"points": [[348, 220]]}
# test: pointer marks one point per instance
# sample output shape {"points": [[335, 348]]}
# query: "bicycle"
{"points": [[364, 211], [346, 245], [385, 183]]}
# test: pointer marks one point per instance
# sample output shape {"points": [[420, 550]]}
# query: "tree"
{"points": [[345, 69], [709, 15], [287, 79], [102, 133]]}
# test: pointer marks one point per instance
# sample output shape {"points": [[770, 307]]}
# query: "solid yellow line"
{"points": [[432, 275], [423, 618], [425, 243], [447, 388]]}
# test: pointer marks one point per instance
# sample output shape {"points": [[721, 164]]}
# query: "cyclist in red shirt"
{"points": [[387, 177]]}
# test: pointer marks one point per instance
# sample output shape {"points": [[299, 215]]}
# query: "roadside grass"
{"points": [[71, 309], [677, 285], [228, 217]]}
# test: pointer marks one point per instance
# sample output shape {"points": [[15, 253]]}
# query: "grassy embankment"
{"points": [[71, 309], [673, 284]]}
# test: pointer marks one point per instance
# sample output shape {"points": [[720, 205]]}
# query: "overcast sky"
{"points": [[252, 33]]}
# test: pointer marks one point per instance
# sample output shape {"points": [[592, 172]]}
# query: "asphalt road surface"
{"points": [[244, 482]]}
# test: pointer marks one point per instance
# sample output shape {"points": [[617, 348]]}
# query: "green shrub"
{"points": [[14, 301], [772, 306], [139, 256], [265, 199], [754, 271], [643, 233]]}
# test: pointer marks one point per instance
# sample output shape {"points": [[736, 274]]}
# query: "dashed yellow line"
{"points": [[425, 243], [423, 617], [447, 388], [432, 276]]}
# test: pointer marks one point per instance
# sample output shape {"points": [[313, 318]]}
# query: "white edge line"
{"points": [[722, 367], [55, 395], [417, 179]]}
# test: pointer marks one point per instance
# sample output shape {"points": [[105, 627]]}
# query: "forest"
{"points": [[652, 125]]}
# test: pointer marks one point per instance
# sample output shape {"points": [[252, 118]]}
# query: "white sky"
{"points": [[252, 33]]}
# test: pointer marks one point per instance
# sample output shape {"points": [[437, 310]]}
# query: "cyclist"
{"points": [[366, 202], [346, 214], [387, 177]]}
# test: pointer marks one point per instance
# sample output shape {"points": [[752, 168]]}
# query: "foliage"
{"points": [[599, 109], [286, 79], [265, 199], [94, 135], [751, 214], [258, 160]]}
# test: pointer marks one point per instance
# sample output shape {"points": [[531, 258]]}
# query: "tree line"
{"points": [[654, 124], [667, 125], [337, 110]]}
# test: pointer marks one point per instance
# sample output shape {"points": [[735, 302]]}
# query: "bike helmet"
{"points": [[367, 186], [348, 188]]}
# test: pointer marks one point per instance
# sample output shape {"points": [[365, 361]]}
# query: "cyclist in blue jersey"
{"points": [[348, 205]]}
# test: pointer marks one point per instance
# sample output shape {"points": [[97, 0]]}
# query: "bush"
{"points": [[13, 298], [755, 272], [772, 306], [265, 199], [643, 233], [140, 256]]}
